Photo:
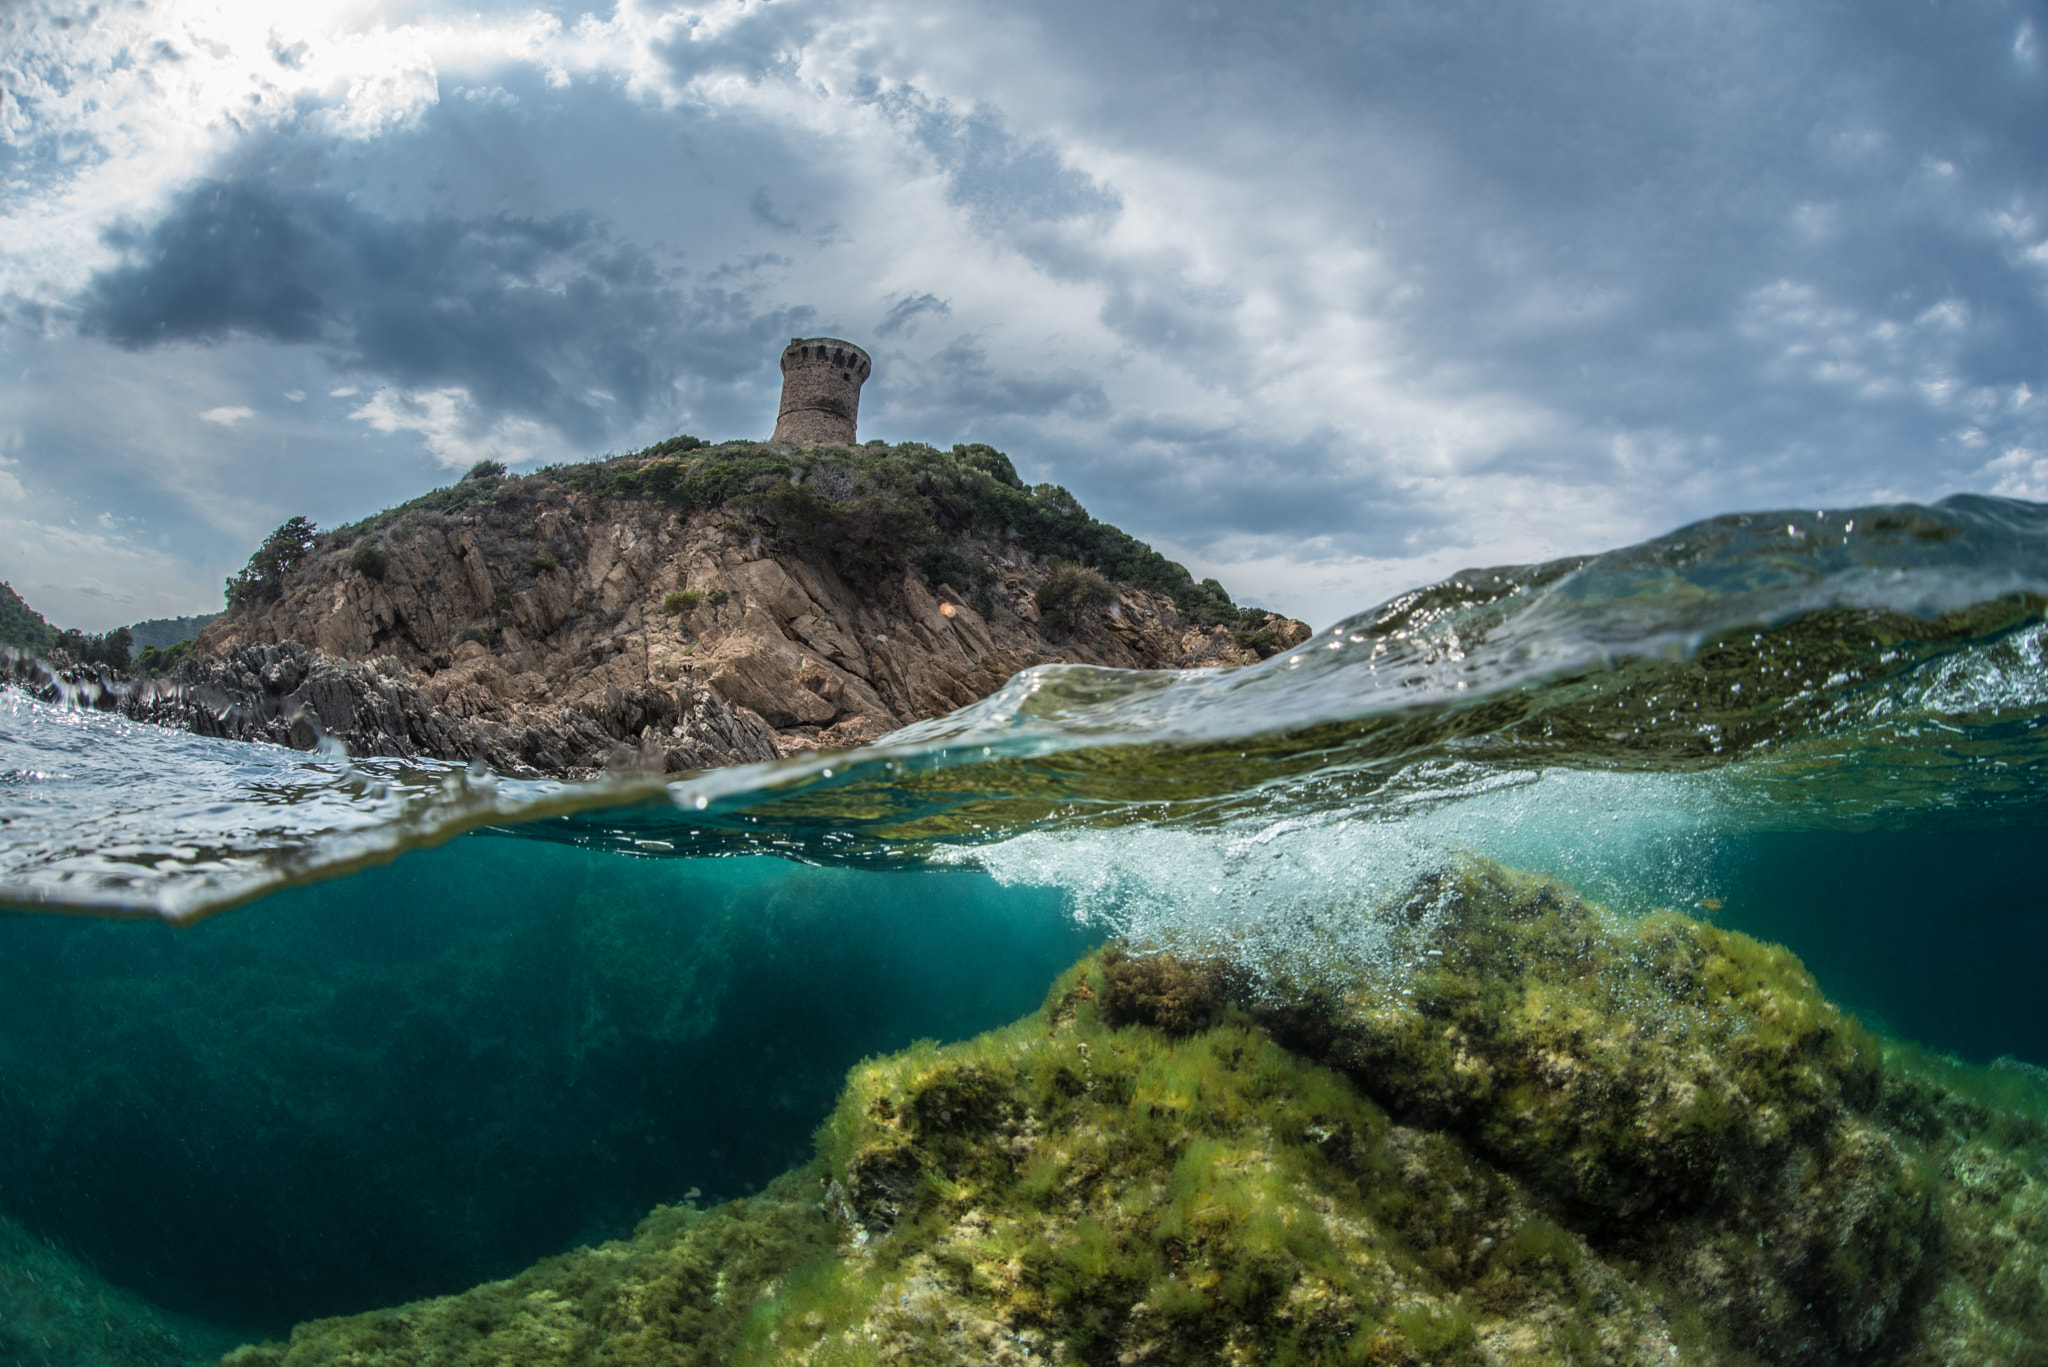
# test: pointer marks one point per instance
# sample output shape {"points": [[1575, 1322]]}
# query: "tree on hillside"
{"points": [[114, 649], [262, 580], [21, 625]]}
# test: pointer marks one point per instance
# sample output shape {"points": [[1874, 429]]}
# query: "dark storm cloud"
{"points": [[1601, 205], [991, 171], [904, 312], [762, 207], [1173, 475], [547, 318], [1243, 484], [959, 384], [1374, 280]]}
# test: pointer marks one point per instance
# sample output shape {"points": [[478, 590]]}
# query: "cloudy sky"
{"points": [[1323, 297]]}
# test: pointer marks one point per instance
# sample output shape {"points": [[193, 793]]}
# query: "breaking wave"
{"points": [[1832, 669]]}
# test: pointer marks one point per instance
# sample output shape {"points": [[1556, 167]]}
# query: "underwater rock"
{"points": [[55, 1311], [1681, 1093], [1548, 1135]]}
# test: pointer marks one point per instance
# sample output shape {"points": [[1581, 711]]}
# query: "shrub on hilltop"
{"points": [[881, 508], [1069, 588]]}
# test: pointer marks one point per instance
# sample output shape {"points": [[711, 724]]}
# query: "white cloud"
{"points": [[456, 433], [491, 97], [228, 416], [2020, 473], [1717, 270], [94, 578], [114, 115]]}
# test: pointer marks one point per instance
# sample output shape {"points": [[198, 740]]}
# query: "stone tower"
{"points": [[821, 380]]}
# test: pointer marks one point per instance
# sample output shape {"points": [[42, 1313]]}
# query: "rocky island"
{"points": [[686, 606]]}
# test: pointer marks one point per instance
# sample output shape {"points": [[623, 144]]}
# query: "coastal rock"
{"points": [[1565, 1137], [516, 620], [288, 695]]}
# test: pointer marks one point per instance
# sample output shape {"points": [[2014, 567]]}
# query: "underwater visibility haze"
{"points": [[293, 1035]]}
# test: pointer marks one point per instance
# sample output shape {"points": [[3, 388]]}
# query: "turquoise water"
{"points": [[437, 1072], [287, 1035]]}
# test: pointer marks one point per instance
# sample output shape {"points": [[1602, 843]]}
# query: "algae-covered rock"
{"points": [[56, 1311], [674, 1295], [1550, 1136], [1089, 1194], [1985, 1137], [1680, 1093]]}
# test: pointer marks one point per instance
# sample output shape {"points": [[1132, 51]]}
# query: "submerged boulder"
{"points": [[1681, 1093], [1544, 1135]]}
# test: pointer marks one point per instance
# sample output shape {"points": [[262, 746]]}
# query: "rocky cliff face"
{"points": [[554, 624]]}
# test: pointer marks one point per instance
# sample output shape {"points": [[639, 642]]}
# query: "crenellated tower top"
{"points": [[821, 380]]}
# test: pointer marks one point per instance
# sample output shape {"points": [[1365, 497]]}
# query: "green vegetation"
{"points": [[702, 482], [165, 632], [944, 565], [163, 659], [674, 446], [1068, 589], [21, 625], [24, 628], [1058, 1185], [874, 511], [262, 579], [1563, 1138], [1679, 1093], [880, 508], [682, 601], [870, 534], [674, 1295], [465, 493], [370, 559], [111, 649]]}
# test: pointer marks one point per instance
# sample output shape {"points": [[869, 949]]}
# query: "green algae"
{"points": [[56, 1311], [676, 1294], [1548, 1135]]}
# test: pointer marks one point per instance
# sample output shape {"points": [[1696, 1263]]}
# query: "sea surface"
{"points": [[288, 1034]]}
